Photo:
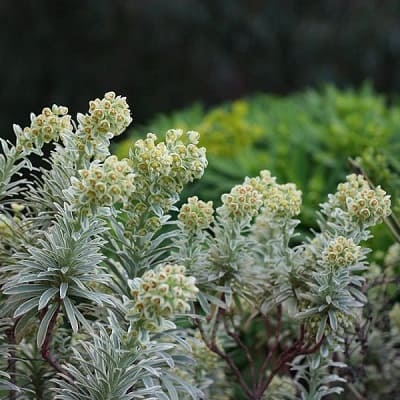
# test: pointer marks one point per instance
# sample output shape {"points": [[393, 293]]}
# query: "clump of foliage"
{"points": [[305, 138], [104, 295]]}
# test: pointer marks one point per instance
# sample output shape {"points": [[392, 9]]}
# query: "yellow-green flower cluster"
{"points": [[242, 202], [206, 359], [7, 222], [196, 214], [365, 205], [45, 128], [162, 171], [231, 125], [341, 252], [107, 117], [282, 201], [104, 185], [349, 189], [161, 294], [184, 162], [369, 206], [152, 158], [12, 228], [262, 183]]}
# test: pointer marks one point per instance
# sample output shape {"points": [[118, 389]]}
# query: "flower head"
{"points": [[242, 202], [110, 114], [162, 293], [282, 201], [107, 117], [45, 128], [262, 183], [341, 252], [196, 215], [104, 184], [363, 204]]}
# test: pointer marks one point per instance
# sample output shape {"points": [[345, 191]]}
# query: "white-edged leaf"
{"points": [[321, 328], [25, 307], [70, 310], [173, 394], [46, 297], [333, 320], [203, 303], [24, 324], [44, 324], [63, 289]]}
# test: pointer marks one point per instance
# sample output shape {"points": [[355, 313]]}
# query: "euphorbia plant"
{"points": [[105, 296]]}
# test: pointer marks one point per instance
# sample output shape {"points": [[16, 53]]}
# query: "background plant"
{"points": [[325, 127]]}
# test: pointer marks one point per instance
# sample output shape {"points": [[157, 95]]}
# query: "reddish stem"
{"points": [[215, 349], [45, 350], [245, 349]]}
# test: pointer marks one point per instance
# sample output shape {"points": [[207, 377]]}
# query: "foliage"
{"points": [[104, 295], [305, 138]]}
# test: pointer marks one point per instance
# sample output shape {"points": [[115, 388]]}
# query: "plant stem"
{"points": [[45, 350], [211, 344], [12, 362], [297, 349], [236, 337]]}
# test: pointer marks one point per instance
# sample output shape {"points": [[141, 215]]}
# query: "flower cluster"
{"points": [[282, 201], [161, 294], [110, 114], [349, 189], [242, 202], [162, 171], [341, 252], [369, 206], [172, 158], [107, 117], [45, 128], [365, 205], [104, 185], [342, 323], [206, 359], [196, 215], [279, 201], [152, 158], [262, 183], [392, 260]]}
